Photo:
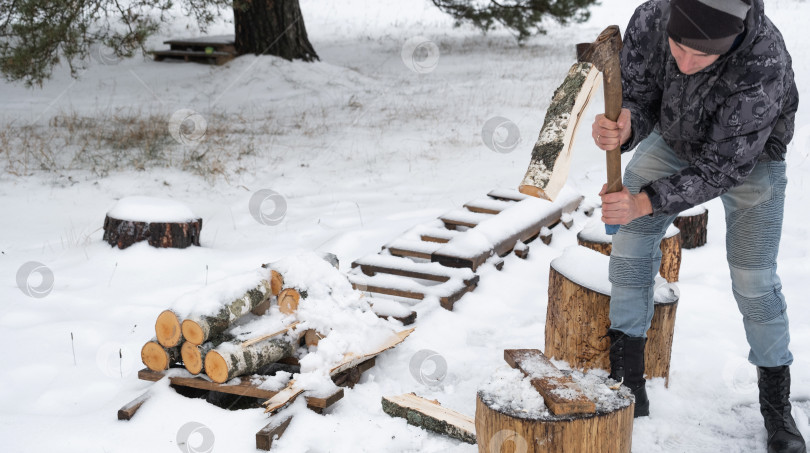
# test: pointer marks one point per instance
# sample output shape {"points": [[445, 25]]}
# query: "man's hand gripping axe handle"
{"points": [[604, 54]]}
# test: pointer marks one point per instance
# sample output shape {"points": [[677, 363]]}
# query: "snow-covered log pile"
{"points": [[161, 222], [236, 326]]}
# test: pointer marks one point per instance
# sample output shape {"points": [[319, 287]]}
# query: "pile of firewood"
{"points": [[209, 331]]}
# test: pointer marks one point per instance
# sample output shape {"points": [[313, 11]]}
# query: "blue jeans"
{"points": [[753, 228]]}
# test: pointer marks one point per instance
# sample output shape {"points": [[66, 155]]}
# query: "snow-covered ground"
{"points": [[361, 147]]}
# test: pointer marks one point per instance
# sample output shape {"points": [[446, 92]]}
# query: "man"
{"points": [[709, 103]]}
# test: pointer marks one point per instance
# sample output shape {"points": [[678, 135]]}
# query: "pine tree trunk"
{"points": [[271, 27]]}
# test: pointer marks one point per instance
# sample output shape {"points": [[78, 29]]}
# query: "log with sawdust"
{"points": [[199, 327], [158, 358], [551, 156]]}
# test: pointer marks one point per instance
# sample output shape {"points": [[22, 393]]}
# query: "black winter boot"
{"points": [[774, 403], [627, 362]]}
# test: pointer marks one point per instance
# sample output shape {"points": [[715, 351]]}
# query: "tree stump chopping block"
{"points": [[693, 225], [577, 318], [593, 237], [161, 223], [509, 418]]}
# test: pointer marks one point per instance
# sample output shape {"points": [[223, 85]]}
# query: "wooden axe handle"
{"points": [[612, 77]]}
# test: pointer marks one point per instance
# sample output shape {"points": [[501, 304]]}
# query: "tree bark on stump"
{"points": [[123, 233], [199, 327], [671, 255], [496, 431], [229, 360], [271, 27], [577, 322], [158, 358], [693, 228]]}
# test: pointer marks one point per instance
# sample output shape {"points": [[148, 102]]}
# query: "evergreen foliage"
{"points": [[524, 17]]}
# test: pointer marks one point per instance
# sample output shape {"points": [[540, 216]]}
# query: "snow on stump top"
{"points": [[509, 408], [161, 222]]}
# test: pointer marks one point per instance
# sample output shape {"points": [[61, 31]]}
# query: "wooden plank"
{"points": [[410, 248], [128, 410], [246, 386], [461, 217], [324, 402], [487, 205], [214, 40], [271, 432], [283, 398], [562, 395], [351, 359], [448, 292], [506, 195], [373, 264], [430, 415]]}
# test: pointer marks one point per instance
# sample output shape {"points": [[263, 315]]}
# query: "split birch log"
{"points": [[693, 224], [577, 318], [593, 237], [168, 329], [551, 156], [158, 358], [229, 359], [199, 327], [430, 415]]}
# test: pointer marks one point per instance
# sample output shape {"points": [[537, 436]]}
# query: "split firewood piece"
{"points": [[551, 156], [158, 358], [283, 398], [351, 359], [199, 327], [271, 432], [562, 395], [312, 337], [229, 359], [430, 415], [168, 330]]}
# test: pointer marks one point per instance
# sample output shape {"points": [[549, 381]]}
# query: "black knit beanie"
{"points": [[708, 26]]}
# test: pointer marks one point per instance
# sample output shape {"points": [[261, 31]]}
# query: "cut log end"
{"points": [[192, 358], [193, 332], [276, 283], [167, 329], [288, 300], [216, 367], [533, 191], [155, 357]]}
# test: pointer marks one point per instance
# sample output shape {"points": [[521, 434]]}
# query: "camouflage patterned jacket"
{"points": [[722, 120]]}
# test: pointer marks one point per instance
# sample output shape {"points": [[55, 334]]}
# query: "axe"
{"points": [[551, 156]]}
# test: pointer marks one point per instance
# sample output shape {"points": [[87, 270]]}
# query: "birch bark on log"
{"points": [[199, 327]]}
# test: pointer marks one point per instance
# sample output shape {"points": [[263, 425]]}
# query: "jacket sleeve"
{"points": [[640, 90], [735, 141]]}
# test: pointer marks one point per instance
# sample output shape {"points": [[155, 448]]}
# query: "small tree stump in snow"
{"points": [[693, 225], [577, 319], [162, 223], [593, 236], [508, 418]]}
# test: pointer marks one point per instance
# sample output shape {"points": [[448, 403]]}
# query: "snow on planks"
{"points": [[430, 415], [463, 240]]}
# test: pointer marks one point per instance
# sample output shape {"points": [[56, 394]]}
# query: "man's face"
{"points": [[690, 60]]}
